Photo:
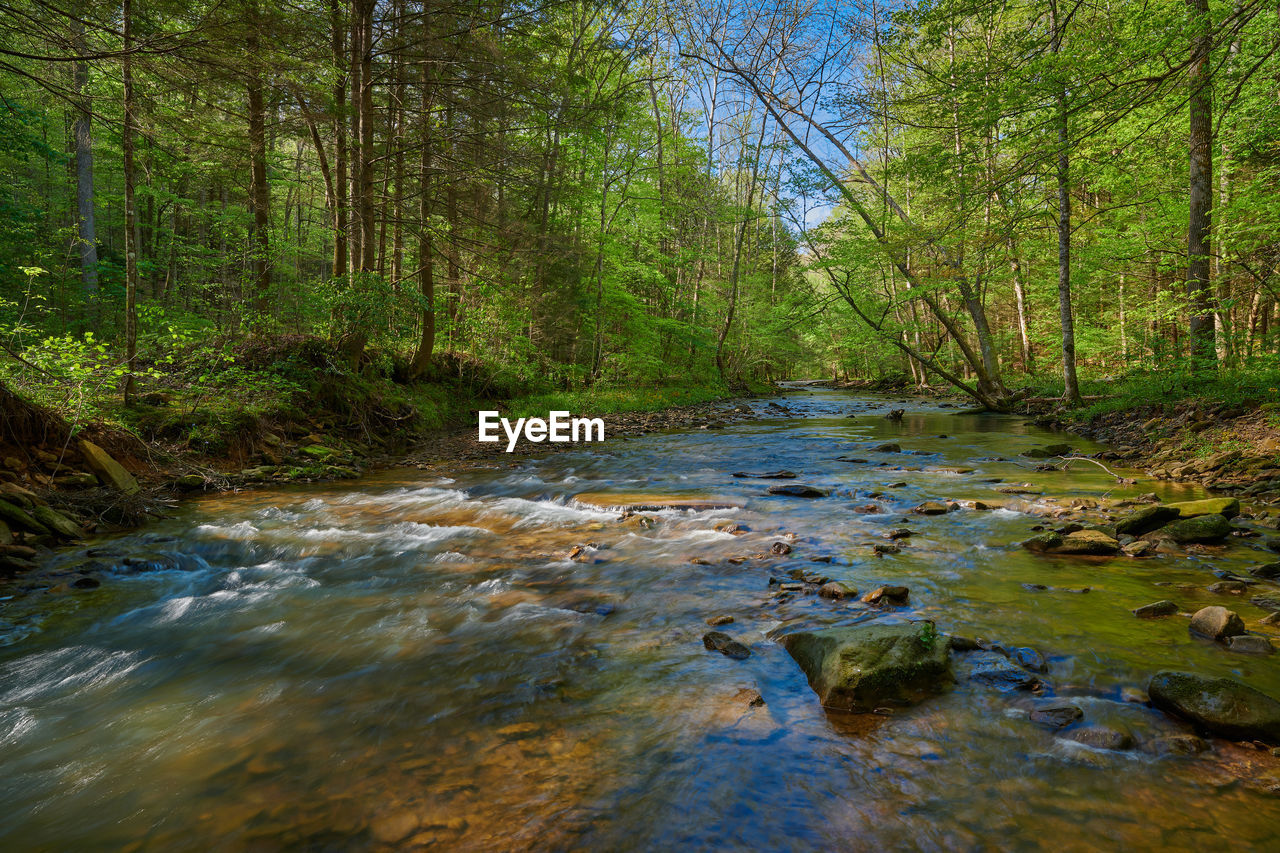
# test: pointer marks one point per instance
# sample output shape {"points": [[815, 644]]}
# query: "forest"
{"points": [[206, 205]]}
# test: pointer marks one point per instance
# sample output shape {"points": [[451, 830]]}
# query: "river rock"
{"points": [[19, 518], [1101, 737], [1221, 705], [1228, 587], [1267, 571], [861, 667], [1087, 543], [1140, 548], [1250, 644], [1175, 745], [1029, 658], [1201, 529], [836, 590], [903, 533], [1266, 602], [109, 471], [1164, 607], [887, 447], [1056, 715], [390, 828], [780, 548], [887, 594], [1146, 520], [1228, 507], [930, 508], [882, 548], [1043, 542], [766, 475], [722, 619], [718, 641], [57, 522], [1216, 623], [993, 670], [798, 490], [6, 535]]}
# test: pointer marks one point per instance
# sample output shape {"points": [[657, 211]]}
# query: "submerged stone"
{"points": [[1029, 658], [718, 641], [1220, 705], [862, 667], [798, 490], [993, 670], [1056, 715], [1101, 737]]}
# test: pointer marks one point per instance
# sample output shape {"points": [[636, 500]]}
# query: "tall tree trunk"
{"points": [[368, 246], [1071, 385], [259, 191], [426, 252], [1200, 151], [355, 69], [338, 44], [1020, 301], [130, 214], [735, 271], [86, 232]]}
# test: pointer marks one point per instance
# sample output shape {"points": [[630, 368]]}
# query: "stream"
{"points": [[414, 659]]}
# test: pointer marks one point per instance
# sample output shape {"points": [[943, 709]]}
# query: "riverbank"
{"points": [[101, 477], [1225, 447]]}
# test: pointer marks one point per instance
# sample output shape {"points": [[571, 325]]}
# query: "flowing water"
{"points": [[414, 657]]}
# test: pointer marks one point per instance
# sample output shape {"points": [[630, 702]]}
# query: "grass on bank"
{"points": [[219, 398], [1252, 388]]}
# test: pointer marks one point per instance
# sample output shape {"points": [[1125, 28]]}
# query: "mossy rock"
{"points": [[109, 471], [319, 451], [1226, 507], [862, 667], [1146, 520], [1092, 543], [57, 522], [1221, 705], [17, 517], [1043, 543], [1201, 530]]}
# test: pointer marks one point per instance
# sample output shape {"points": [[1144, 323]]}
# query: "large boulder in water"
{"points": [[1146, 520], [862, 667], [1221, 705], [1228, 507], [1202, 530]]}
